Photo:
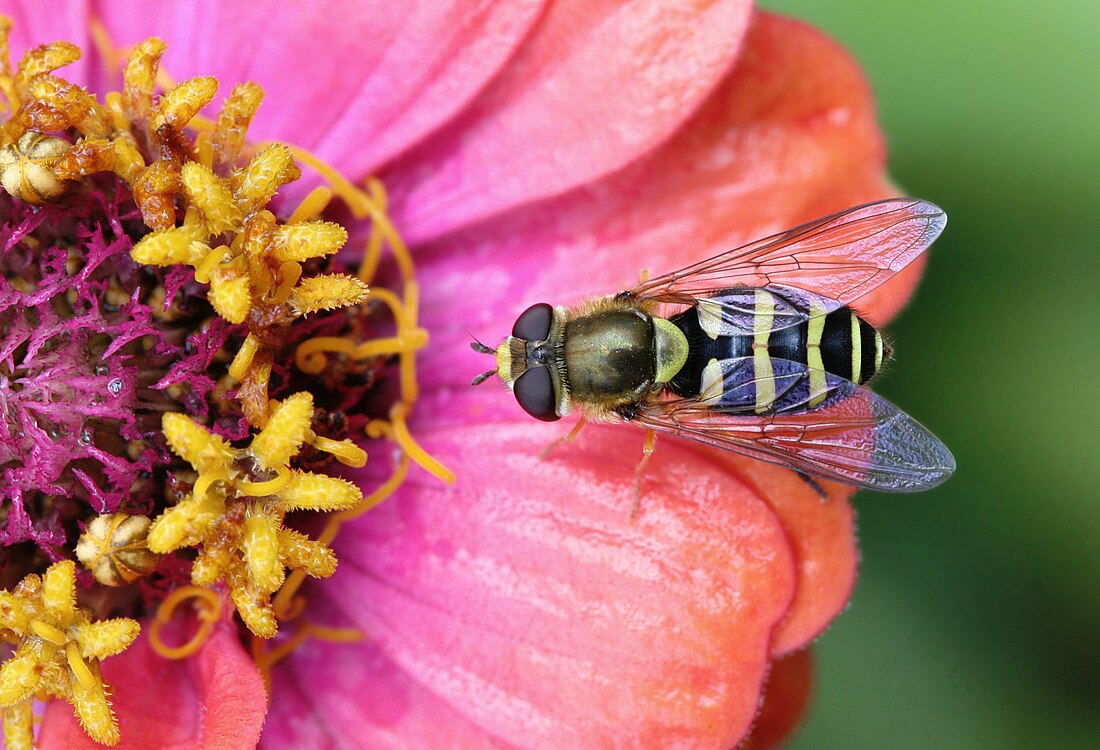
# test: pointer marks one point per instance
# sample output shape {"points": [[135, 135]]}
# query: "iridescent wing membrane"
{"points": [[852, 435], [841, 257]]}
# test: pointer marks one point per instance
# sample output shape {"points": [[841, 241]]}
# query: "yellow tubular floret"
{"points": [[212, 196], [320, 492], [58, 648], [260, 544], [180, 104], [265, 174], [328, 292], [194, 444], [169, 247], [284, 432], [231, 297], [308, 239]]}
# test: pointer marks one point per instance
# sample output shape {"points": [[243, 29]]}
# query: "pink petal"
{"points": [[596, 86], [214, 700], [526, 598], [350, 695], [64, 21], [355, 81], [790, 135]]}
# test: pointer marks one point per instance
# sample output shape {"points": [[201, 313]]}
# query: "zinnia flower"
{"points": [[529, 152]]}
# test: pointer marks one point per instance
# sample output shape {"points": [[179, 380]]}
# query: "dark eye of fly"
{"points": [[535, 393], [534, 323]]}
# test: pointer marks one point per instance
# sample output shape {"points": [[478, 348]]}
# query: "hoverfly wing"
{"points": [[842, 256], [819, 424]]}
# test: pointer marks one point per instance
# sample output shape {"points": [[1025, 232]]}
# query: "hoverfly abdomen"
{"points": [[850, 346], [769, 350]]}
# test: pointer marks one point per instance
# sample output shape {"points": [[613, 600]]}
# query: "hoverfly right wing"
{"points": [[842, 256], [849, 434]]}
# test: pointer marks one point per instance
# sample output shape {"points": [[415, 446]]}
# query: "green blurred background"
{"points": [[976, 620]]}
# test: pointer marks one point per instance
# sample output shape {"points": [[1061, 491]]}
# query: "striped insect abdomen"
{"points": [[772, 349]]}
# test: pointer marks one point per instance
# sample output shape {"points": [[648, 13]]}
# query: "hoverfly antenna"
{"points": [[479, 347], [483, 377]]}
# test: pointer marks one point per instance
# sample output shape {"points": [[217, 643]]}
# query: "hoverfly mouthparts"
{"points": [[762, 355]]}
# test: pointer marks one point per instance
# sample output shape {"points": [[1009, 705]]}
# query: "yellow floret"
{"points": [[320, 492], [328, 292], [260, 544], [284, 432], [194, 444], [169, 247], [308, 239], [231, 296], [211, 196], [180, 104], [57, 655], [272, 168]]}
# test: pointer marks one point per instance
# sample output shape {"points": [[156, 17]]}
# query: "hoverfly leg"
{"points": [[814, 484], [568, 438], [648, 447]]}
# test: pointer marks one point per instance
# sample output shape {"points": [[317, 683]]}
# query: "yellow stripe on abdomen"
{"points": [[764, 315], [814, 366], [857, 349]]}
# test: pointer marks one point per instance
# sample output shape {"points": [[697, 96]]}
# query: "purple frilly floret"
{"points": [[87, 359]]}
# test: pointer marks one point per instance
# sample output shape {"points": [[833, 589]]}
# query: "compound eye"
{"points": [[535, 392], [534, 323]]}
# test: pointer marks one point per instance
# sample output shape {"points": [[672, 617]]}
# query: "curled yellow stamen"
{"points": [[239, 367], [310, 356], [312, 205], [412, 449], [266, 656], [77, 665], [49, 633], [203, 483], [270, 487], [345, 451], [208, 608], [207, 265], [373, 254], [290, 273]]}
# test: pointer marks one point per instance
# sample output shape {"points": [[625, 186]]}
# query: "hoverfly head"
{"points": [[524, 362]]}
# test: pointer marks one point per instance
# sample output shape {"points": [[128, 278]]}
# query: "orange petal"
{"points": [[821, 533], [786, 698], [526, 598], [597, 85]]}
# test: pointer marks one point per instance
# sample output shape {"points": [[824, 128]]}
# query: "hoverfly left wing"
{"points": [[842, 256], [851, 435]]}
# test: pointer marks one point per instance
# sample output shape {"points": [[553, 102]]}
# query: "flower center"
{"points": [[179, 367]]}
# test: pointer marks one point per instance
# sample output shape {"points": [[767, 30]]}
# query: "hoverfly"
{"points": [[758, 351]]}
